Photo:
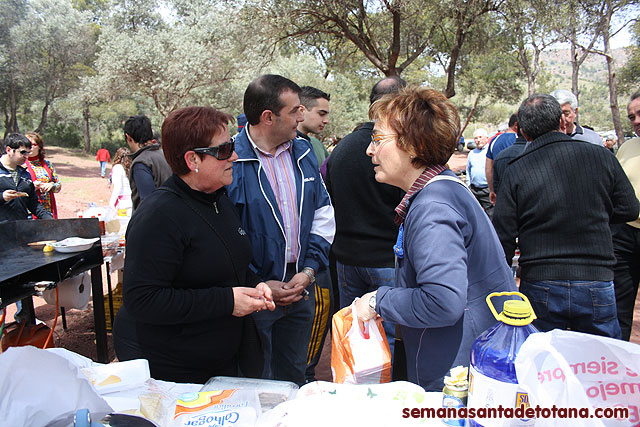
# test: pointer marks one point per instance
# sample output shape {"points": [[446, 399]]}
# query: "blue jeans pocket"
{"points": [[538, 297], [604, 303]]}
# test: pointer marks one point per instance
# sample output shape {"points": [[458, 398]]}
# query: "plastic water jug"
{"points": [[492, 374]]}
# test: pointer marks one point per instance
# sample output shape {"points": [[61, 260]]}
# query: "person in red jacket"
{"points": [[103, 157]]}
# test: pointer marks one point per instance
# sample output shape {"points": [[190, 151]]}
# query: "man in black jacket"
{"points": [[558, 198], [364, 209], [19, 199]]}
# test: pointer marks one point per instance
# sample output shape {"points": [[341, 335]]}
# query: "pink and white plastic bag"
{"points": [[597, 376]]}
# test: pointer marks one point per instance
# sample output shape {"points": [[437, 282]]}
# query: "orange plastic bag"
{"points": [[20, 334], [358, 358]]}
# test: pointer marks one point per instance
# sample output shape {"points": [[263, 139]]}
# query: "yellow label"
{"points": [[522, 399]]}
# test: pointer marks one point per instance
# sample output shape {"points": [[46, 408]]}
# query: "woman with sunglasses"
{"points": [[188, 289], [43, 174], [448, 255]]}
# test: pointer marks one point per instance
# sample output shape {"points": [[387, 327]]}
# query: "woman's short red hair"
{"points": [[189, 128], [426, 122]]}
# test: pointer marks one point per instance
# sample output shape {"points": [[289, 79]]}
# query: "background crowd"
{"points": [[240, 249]]}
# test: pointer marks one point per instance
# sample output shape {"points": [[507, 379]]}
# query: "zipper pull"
{"points": [[215, 206]]}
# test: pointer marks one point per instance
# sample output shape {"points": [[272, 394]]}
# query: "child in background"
{"points": [[121, 193]]}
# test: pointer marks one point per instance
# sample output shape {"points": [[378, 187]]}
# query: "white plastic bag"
{"points": [[593, 374], [358, 358], [38, 386]]}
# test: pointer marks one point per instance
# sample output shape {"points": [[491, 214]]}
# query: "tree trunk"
{"points": [[12, 125], [611, 70], [43, 118], [450, 90], [575, 67], [466, 122], [85, 127]]}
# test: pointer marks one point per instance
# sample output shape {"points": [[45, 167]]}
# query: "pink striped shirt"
{"points": [[281, 176]]}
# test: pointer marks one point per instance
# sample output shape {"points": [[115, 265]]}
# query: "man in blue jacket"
{"points": [[286, 211]]}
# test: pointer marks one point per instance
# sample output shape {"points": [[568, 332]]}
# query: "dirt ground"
{"points": [[81, 184]]}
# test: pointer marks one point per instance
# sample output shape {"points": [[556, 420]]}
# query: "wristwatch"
{"points": [[372, 302], [310, 273]]}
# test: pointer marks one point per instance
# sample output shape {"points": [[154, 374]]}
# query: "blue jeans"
{"points": [[285, 335], [581, 306], [356, 281], [103, 168]]}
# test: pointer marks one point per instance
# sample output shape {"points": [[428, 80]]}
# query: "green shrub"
{"points": [[63, 135]]}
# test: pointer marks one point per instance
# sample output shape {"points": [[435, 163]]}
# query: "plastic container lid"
{"points": [[515, 312], [516, 309], [270, 392]]}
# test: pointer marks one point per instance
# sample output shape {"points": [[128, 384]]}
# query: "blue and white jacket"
{"points": [[251, 192]]}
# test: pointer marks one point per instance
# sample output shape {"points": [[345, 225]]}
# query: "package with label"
{"points": [[216, 409]]}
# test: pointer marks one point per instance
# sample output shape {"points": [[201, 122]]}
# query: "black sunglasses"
{"points": [[23, 152], [220, 152]]}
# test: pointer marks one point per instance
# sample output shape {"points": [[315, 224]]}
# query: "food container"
{"points": [[270, 392], [74, 244]]}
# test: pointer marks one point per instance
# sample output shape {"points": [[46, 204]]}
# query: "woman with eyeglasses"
{"points": [[448, 255], [188, 289]]}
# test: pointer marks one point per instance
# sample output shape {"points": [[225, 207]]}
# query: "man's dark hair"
{"points": [[15, 141], [309, 95], [513, 120], [264, 94], [539, 114], [139, 128], [385, 86], [635, 96]]}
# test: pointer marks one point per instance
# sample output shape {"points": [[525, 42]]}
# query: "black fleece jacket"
{"points": [[364, 208], [559, 197], [178, 279]]}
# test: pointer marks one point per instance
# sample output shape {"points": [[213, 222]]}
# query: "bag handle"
{"points": [[355, 327]]}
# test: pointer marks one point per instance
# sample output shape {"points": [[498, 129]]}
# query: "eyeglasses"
{"points": [[378, 138], [220, 152], [22, 152]]}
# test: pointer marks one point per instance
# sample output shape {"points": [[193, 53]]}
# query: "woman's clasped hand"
{"points": [[251, 300]]}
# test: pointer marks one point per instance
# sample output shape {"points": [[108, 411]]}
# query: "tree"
{"points": [[47, 45], [629, 75], [11, 13], [390, 34], [600, 21], [490, 76], [174, 63], [532, 34]]}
